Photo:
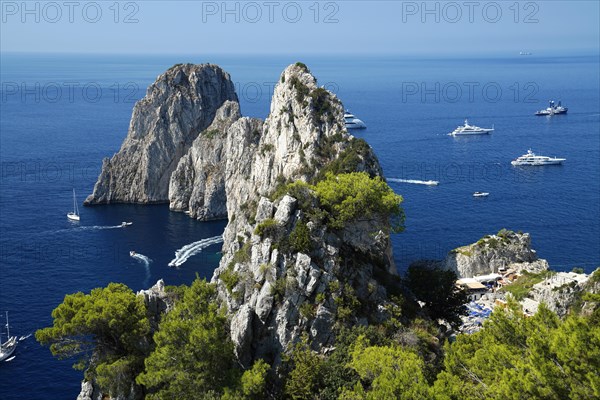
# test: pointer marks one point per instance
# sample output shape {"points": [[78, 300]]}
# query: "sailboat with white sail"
{"points": [[8, 347], [74, 215]]}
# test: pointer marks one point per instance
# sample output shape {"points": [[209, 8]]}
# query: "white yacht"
{"points": [[481, 194], [74, 215], [352, 122], [8, 347], [531, 159], [467, 129], [553, 109]]}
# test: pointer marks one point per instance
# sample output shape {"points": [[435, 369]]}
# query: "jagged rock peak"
{"points": [[180, 104], [274, 293]]}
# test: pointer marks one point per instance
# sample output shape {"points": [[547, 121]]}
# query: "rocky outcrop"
{"points": [[198, 183], [157, 302], [505, 250], [277, 292], [177, 107], [561, 290]]}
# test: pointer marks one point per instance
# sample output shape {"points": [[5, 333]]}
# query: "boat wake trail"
{"points": [[191, 249], [415, 181], [98, 227], [142, 258], [24, 337]]}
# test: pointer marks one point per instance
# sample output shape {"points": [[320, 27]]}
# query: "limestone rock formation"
{"points": [[177, 107], [281, 293], [507, 250], [198, 183]]}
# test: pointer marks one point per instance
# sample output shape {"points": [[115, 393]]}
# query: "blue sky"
{"points": [[302, 27]]}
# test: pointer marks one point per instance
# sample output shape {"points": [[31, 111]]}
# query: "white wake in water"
{"points": [[191, 249], [415, 181], [142, 258], [24, 337], [98, 227]]}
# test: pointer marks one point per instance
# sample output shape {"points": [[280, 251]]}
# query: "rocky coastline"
{"points": [[284, 273]]}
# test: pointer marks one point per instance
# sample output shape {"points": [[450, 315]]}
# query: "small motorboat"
{"points": [[481, 194], [123, 224], [132, 253]]}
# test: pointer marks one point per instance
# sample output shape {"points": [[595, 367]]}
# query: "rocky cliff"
{"points": [[198, 183], [177, 107], [274, 291], [507, 249]]}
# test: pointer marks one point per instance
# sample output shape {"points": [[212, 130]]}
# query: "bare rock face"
{"points": [[281, 292], [198, 183], [493, 252], [177, 107]]}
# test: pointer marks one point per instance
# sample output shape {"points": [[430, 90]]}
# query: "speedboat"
{"points": [[126, 223], [481, 194], [9, 346], [352, 122], [553, 109], [132, 253], [467, 129], [532, 159]]}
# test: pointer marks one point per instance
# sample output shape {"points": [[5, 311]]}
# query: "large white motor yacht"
{"points": [[352, 122], [531, 159], [467, 129]]}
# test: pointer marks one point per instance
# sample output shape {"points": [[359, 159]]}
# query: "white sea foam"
{"points": [[415, 181], [24, 337], [142, 258], [191, 249]]}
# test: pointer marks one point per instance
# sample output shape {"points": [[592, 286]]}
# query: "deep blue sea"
{"points": [[61, 114]]}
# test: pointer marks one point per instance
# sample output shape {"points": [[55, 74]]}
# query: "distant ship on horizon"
{"points": [[525, 53]]}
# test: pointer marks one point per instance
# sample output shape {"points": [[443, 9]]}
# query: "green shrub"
{"points": [[350, 196], [230, 278], [278, 289], [302, 65], [301, 89], [268, 228], [249, 208], [320, 298], [578, 270], [307, 310], [320, 102], [243, 254], [266, 148], [348, 160], [211, 134], [300, 238], [522, 286]]}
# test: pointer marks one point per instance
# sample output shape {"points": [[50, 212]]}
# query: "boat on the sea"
{"points": [[8, 347], [132, 253], [74, 215], [553, 109], [467, 129], [123, 224], [481, 194], [530, 158], [525, 53], [352, 122]]}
